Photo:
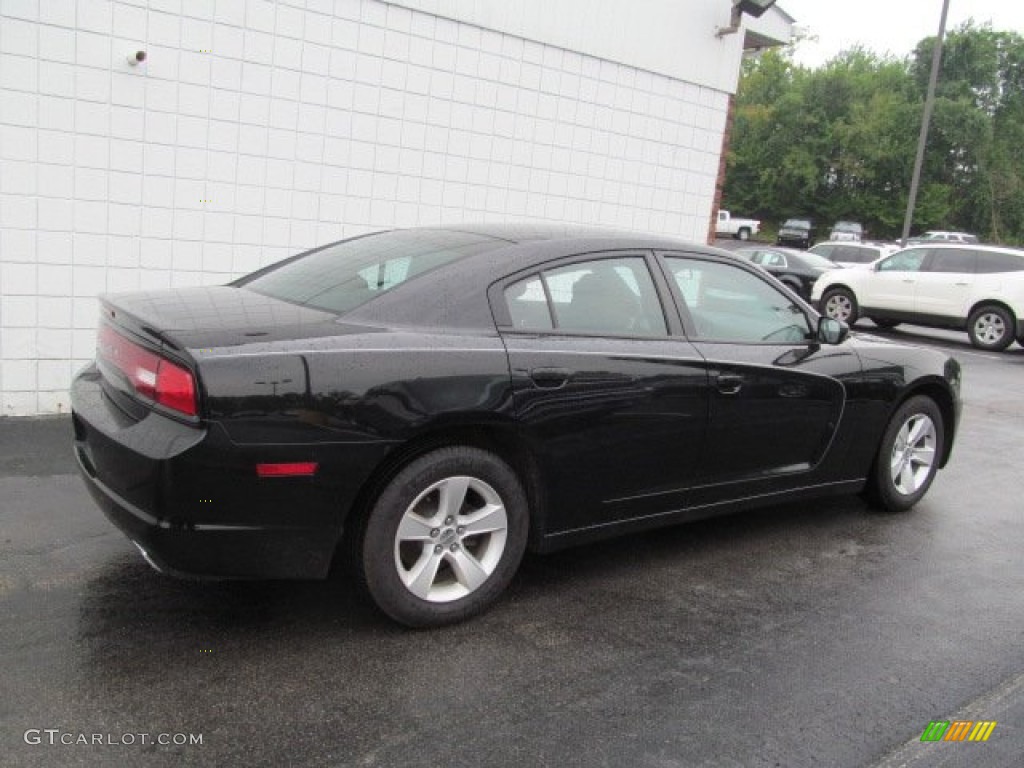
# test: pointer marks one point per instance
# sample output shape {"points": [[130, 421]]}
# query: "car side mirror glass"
{"points": [[832, 331]]}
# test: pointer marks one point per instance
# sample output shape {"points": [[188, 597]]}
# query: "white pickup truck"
{"points": [[741, 229]]}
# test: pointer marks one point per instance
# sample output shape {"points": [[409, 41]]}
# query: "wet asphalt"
{"points": [[816, 634]]}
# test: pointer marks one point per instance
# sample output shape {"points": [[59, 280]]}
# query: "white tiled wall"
{"points": [[256, 129]]}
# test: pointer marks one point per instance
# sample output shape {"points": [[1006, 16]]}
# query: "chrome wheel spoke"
{"points": [[925, 454], [915, 429], [907, 482], [414, 528], [420, 578], [489, 519], [468, 570], [453, 496]]}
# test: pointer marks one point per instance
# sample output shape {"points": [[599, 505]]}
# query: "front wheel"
{"points": [[840, 304], [908, 456], [444, 538], [990, 328]]}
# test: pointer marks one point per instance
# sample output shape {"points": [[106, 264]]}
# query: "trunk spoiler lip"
{"points": [[120, 317]]}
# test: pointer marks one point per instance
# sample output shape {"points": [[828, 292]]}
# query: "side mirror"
{"points": [[831, 331]]}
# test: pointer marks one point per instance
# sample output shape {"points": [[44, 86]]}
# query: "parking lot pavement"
{"points": [[813, 634]]}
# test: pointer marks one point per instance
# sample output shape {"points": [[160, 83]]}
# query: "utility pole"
{"points": [[922, 139]]}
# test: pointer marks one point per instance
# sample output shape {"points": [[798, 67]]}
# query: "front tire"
{"points": [[840, 304], [444, 538], [908, 456], [991, 328]]}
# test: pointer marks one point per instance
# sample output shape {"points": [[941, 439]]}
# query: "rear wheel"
{"points": [[743, 234], [908, 456], [990, 327], [840, 304], [444, 538]]}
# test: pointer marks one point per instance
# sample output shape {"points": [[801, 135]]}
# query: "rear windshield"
{"points": [[346, 275], [817, 260]]}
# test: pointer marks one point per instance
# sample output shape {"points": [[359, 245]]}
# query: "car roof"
{"points": [[454, 294], [951, 246], [850, 244]]}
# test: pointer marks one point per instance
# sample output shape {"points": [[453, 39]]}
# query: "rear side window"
{"points": [[952, 260], [343, 276], [989, 262], [853, 255], [608, 296]]}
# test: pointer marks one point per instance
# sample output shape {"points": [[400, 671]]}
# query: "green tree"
{"points": [[839, 141]]}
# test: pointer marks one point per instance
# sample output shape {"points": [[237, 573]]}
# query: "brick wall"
{"points": [[256, 129]]}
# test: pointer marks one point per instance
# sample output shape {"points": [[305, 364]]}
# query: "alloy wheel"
{"points": [[839, 307], [913, 454], [989, 328], [451, 539]]}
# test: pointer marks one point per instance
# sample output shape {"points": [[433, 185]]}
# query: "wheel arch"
{"points": [[990, 303], [938, 391], [500, 437]]}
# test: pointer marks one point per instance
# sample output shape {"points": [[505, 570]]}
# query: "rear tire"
{"points": [[743, 234], [840, 304], [444, 538], [908, 456], [990, 327]]}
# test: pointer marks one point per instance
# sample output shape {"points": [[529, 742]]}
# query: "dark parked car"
{"points": [[430, 403], [797, 269], [798, 233]]}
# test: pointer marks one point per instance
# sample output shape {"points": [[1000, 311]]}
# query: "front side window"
{"points": [[729, 304], [904, 261], [607, 296]]}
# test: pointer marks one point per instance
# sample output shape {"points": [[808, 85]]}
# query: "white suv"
{"points": [[977, 288], [852, 254]]}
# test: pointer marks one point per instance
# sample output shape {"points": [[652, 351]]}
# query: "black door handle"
{"points": [[729, 383], [549, 377]]}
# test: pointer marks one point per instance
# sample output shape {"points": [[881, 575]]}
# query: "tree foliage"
{"points": [[838, 142]]}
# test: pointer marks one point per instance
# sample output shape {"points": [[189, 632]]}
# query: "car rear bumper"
{"points": [[191, 500]]}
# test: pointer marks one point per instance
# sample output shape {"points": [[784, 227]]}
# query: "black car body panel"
{"points": [[609, 432]]}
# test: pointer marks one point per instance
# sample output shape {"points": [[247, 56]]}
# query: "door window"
{"points": [[729, 304], [956, 260], [607, 296], [904, 261]]}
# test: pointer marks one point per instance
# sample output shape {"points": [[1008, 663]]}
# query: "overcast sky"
{"points": [[888, 26]]}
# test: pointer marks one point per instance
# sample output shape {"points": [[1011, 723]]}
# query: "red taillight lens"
{"points": [[150, 375], [290, 469]]}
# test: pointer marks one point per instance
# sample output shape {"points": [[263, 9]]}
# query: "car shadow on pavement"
{"points": [[132, 620]]}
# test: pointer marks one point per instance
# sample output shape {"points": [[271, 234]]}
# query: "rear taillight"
{"points": [[151, 376]]}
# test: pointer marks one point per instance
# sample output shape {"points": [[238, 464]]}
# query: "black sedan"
{"points": [[797, 269], [429, 403]]}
